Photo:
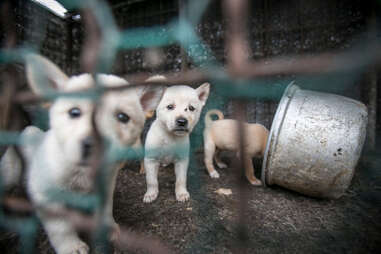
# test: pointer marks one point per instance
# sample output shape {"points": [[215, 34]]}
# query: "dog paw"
{"points": [[182, 196], [222, 165], [150, 196], [81, 248], [255, 182], [214, 174]]}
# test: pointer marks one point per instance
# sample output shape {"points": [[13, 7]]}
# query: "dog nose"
{"points": [[181, 122], [87, 145]]}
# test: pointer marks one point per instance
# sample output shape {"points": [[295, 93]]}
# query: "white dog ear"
{"points": [[150, 97], [203, 92], [43, 75]]}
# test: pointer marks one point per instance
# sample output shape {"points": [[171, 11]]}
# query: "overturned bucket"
{"points": [[315, 142]]}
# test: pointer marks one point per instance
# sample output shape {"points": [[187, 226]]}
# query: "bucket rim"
{"points": [[276, 125]]}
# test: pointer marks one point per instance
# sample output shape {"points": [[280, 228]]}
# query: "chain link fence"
{"points": [[238, 79]]}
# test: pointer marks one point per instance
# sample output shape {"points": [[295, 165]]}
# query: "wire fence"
{"points": [[239, 79]]}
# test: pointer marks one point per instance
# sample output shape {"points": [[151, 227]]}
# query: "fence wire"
{"points": [[239, 79]]}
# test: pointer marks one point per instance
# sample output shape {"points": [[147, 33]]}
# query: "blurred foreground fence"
{"points": [[238, 77]]}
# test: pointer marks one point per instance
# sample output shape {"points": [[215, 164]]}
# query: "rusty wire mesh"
{"points": [[240, 78]]}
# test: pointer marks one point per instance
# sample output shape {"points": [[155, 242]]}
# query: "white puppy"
{"points": [[59, 159], [167, 140]]}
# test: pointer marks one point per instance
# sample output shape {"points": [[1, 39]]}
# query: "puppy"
{"points": [[223, 134], [59, 159], [167, 140]]}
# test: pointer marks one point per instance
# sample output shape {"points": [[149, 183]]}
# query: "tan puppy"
{"points": [[223, 134]]}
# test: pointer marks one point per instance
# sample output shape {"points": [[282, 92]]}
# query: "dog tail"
{"points": [[208, 118]]}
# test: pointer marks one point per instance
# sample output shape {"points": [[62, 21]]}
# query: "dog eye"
{"points": [[170, 106], [75, 113], [122, 117], [191, 108]]}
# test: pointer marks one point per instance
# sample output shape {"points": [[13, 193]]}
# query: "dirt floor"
{"points": [[277, 220]]}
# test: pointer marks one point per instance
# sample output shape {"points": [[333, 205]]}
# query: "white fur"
{"points": [[56, 160], [164, 138]]}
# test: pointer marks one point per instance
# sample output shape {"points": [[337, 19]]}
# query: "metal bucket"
{"points": [[315, 142]]}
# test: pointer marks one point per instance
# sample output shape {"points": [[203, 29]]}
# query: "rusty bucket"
{"points": [[315, 142]]}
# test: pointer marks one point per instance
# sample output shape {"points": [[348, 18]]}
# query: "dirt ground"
{"points": [[277, 220]]}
